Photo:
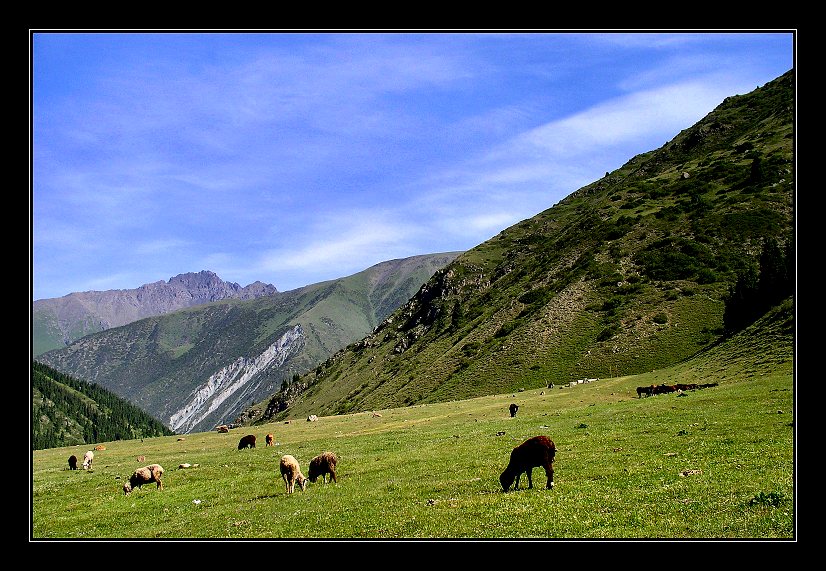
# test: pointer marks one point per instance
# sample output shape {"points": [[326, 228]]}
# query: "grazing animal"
{"points": [[72, 462], [140, 458], [513, 409], [247, 442], [100, 447], [222, 428], [312, 418], [87, 460], [538, 451], [323, 464], [665, 389], [269, 439], [647, 391], [291, 473], [145, 475]]}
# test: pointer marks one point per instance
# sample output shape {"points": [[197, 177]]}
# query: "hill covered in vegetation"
{"points": [[67, 411], [670, 254]]}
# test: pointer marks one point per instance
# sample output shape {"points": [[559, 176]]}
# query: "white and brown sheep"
{"points": [[291, 473], [145, 475], [321, 465], [538, 451], [87, 460]]}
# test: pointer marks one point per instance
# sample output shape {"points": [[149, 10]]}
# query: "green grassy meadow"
{"points": [[711, 463]]}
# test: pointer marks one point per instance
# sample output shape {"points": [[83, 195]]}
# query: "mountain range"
{"points": [[651, 265], [197, 367], [57, 322], [656, 263]]}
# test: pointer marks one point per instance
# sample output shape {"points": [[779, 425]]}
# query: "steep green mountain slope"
{"points": [[66, 411], [628, 274], [200, 366]]}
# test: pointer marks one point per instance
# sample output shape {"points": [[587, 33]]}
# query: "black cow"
{"points": [[247, 442]]}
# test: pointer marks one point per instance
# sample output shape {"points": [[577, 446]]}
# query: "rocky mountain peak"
{"points": [[74, 315]]}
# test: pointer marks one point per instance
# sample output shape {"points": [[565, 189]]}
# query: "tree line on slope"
{"points": [[67, 411]]}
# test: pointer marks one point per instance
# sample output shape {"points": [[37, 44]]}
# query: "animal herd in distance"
{"points": [[665, 389]]}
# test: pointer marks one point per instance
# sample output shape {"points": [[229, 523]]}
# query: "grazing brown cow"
{"points": [[269, 439], [247, 442], [538, 451], [72, 462]]}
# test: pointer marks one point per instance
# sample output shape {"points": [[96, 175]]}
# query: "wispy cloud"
{"points": [[345, 239]]}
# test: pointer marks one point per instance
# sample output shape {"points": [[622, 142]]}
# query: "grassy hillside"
{"points": [[629, 274], [66, 411], [716, 463], [164, 364]]}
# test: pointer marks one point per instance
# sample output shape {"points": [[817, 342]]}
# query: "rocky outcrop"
{"points": [[223, 390]]}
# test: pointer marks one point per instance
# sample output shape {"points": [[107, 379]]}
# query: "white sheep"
{"points": [[291, 473], [87, 460], [145, 475]]}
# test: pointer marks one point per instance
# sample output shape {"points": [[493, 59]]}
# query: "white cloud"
{"points": [[663, 111], [346, 240]]}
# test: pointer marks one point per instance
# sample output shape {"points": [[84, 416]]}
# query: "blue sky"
{"points": [[295, 158]]}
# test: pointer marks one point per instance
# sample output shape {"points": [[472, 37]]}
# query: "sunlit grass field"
{"points": [[712, 463]]}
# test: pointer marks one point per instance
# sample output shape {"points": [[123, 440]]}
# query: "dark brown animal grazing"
{"points": [[538, 451], [247, 442], [323, 464], [269, 439], [513, 408], [72, 462]]}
